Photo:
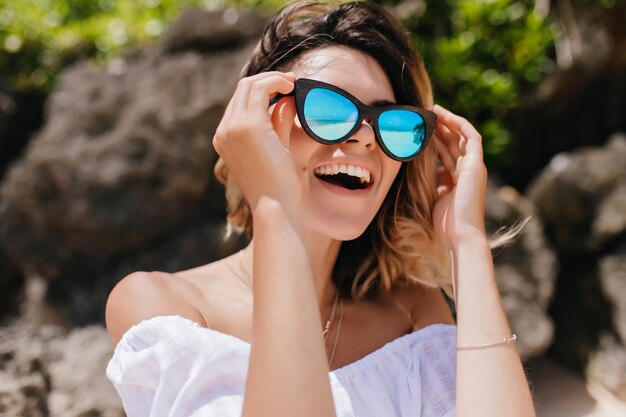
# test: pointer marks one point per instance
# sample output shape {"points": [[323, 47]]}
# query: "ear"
{"points": [[284, 117]]}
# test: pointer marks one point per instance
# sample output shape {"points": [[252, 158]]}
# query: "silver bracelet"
{"points": [[487, 345]]}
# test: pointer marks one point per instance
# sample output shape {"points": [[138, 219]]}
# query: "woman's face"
{"points": [[329, 206]]}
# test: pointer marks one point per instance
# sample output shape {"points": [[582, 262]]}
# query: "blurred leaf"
{"points": [[484, 54]]}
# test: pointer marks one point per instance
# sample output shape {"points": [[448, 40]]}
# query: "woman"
{"points": [[329, 159]]}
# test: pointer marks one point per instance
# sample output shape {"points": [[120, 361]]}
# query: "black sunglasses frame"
{"points": [[369, 113]]}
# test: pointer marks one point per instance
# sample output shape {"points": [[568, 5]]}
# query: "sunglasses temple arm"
{"points": [[277, 97]]}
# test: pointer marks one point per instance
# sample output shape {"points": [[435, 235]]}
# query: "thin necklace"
{"points": [[329, 322], [325, 328], [248, 280], [332, 356]]}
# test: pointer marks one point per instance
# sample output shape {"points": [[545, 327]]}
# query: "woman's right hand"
{"points": [[252, 145]]}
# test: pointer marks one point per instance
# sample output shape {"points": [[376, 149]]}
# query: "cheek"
{"points": [[391, 170], [301, 148], [298, 139]]}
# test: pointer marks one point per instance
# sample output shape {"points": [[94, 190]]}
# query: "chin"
{"points": [[339, 227], [345, 235]]}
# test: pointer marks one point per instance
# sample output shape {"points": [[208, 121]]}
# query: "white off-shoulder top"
{"points": [[172, 366]]}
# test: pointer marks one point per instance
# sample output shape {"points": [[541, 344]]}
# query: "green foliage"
{"points": [[607, 3], [38, 38], [480, 53]]}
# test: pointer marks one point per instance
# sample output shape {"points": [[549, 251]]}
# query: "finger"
{"points": [[458, 122], [262, 90], [451, 139], [455, 141], [221, 127], [244, 86], [447, 161], [473, 138], [229, 110], [240, 100]]}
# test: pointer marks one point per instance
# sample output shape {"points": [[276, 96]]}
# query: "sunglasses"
{"points": [[331, 115]]}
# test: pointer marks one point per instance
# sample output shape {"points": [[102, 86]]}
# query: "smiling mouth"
{"points": [[346, 176]]}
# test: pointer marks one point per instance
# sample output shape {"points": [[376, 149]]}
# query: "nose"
{"points": [[364, 136]]}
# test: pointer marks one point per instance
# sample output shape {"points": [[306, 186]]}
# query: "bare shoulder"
{"points": [[143, 295], [429, 306]]}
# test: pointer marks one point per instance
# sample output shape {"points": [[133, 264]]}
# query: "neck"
{"points": [[323, 253]]}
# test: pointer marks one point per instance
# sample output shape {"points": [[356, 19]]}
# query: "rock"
{"points": [[21, 114], [24, 379], [7, 111], [582, 101], [612, 268], [76, 300], [48, 372], [610, 220], [607, 365], [581, 196], [525, 269], [125, 157], [580, 311], [198, 30], [79, 383], [606, 359], [11, 286]]}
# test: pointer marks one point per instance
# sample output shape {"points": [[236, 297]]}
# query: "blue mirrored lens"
{"points": [[402, 132], [329, 115]]}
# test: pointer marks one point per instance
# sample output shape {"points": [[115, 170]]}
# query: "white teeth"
{"points": [[352, 170]]}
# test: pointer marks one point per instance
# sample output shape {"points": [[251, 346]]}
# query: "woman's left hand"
{"points": [[462, 179]]}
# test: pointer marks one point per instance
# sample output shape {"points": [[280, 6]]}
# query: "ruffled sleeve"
{"points": [[165, 367]]}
